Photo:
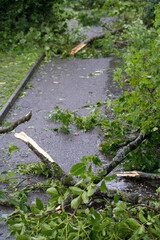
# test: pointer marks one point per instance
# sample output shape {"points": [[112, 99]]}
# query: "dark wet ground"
{"points": [[66, 83]]}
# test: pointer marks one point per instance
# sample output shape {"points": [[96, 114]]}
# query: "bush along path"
{"points": [[81, 206]]}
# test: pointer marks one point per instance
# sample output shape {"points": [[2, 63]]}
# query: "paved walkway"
{"points": [[67, 83]]}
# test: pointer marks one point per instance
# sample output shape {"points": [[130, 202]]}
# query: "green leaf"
{"points": [[52, 191], [158, 190], [110, 178], [85, 197], [12, 148], [120, 207], [7, 124], [142, 218], [75, 202], [11, 173], [133, 223], [91, 189], [103, 187], [18, 226], [21, 237], [13, 180], [116, 198], [141, 229], [39, 204], [1, 194], [76, 190], [96, 160], [1, 178], [78, 169], [96, 215]]}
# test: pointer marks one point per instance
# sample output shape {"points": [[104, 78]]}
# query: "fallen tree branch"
{"points": [[120, 156], [124, 196], [137, 174], [23, 119], [85, 43], [90, 39], [55, 170]]}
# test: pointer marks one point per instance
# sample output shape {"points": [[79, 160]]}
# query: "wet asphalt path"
{"points": [[67, 83]]}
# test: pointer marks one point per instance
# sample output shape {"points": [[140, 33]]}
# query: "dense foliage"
{"points": [[35, 23]]}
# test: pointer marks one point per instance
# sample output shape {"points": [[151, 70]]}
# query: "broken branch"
{"points": [[23, 119], [85, 43], [55, 170], [90, 39], [137, 174], [120, 156]]}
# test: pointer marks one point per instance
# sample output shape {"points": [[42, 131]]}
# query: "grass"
{"points": [[14, 66]]}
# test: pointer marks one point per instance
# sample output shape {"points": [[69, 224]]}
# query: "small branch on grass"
{"points": [[16, 123], [55, 170]]}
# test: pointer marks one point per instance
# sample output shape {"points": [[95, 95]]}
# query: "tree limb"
{"points": [[23, 119], [85, 43], [120, 156], [90, 39], [137, 174]]}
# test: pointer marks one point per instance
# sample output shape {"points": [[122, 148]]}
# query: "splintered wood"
{"points": [[34, 146]]}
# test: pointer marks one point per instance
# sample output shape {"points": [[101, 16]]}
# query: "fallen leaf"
{"points": [[99, 145], [61, 99], [76, 133], [56, 82], [99, 71]]}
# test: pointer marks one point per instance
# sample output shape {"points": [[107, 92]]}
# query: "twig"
{"points": [[141, 205], [16, 123], [74, 213], [141, 224]]}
